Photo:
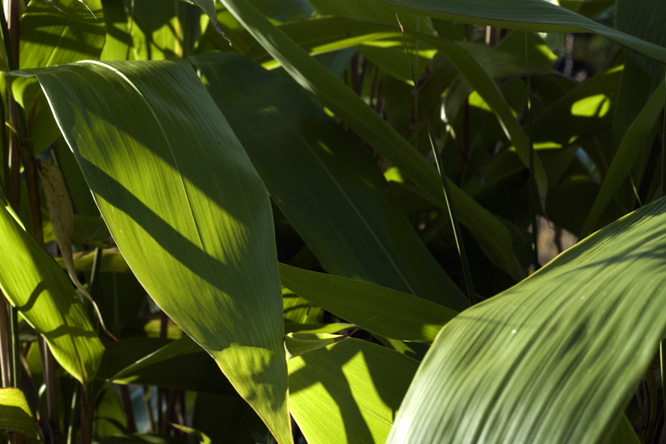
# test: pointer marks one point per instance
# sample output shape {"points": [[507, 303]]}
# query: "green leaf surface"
{"points": [[187, 210], [15, 413], [357, 229], [526, 15], [634, 142], [35, 284], [60, 31], [349, 107], [376, 309], [555, 358], [348, 392]]}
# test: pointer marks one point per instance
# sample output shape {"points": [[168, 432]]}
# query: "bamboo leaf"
{"points": [[38, 288], [60, 31], [187, 210], [554, 358], [312, 157], [348, 392], [377, 309], [526, 15], [491, 234], [15, 413]]}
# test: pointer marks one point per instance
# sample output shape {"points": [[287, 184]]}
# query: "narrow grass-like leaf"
{"points": [[43, 294], [377, 309], [349, 107], [526, 15], [324, 182], [15, 413], [632, 145], [555, 358], [187, 210], [348, 392]]}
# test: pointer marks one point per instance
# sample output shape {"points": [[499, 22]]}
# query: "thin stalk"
{"points": [[129, 410], [532, 182], [457, 233], [663, 149]]}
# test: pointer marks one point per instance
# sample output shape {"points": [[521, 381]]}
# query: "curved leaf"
{"points": [[313, 77], [312, 157], [377, 309], [555, 358], [42, 292], [187, 210], [527, 15]]}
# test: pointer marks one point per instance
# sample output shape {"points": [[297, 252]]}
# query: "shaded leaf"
{"points": [[377, 309], [357, 230]]}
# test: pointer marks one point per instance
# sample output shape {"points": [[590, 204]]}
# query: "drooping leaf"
{"points": [[488, 230], [348, 392], [357, 230], [187, 210], [554, 358], [377, 309], [45, 297], [527, 15]]}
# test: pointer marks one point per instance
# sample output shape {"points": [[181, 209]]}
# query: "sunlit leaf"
{"points": [[187, 210], [42, 292], [554, 358]]}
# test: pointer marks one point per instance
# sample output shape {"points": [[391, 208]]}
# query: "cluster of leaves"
{"points": [[317, 194]]}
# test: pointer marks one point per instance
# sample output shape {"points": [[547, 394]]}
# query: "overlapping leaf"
{"points": [[42, 292], [187, 210], [357, 229]]}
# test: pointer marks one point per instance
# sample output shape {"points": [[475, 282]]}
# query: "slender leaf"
{"points": [[527, 15], [187, 210], [487, 229], [45, 297], [377, 309], [311, 157], [348, 392], [554, 358]]}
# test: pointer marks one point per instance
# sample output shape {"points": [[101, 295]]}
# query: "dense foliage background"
{"points": [[329, 221]]}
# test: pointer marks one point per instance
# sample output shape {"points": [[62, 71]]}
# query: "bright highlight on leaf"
{"points": [[187, 210]]}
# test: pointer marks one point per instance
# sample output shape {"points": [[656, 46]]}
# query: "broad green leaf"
{"points": [[45, 297], [526, 15], [324, 182], [349, 107], [554, 358], [377, 309], [348, 392], [60, 31], [633, 144], [187, 210], [15, 413]]}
